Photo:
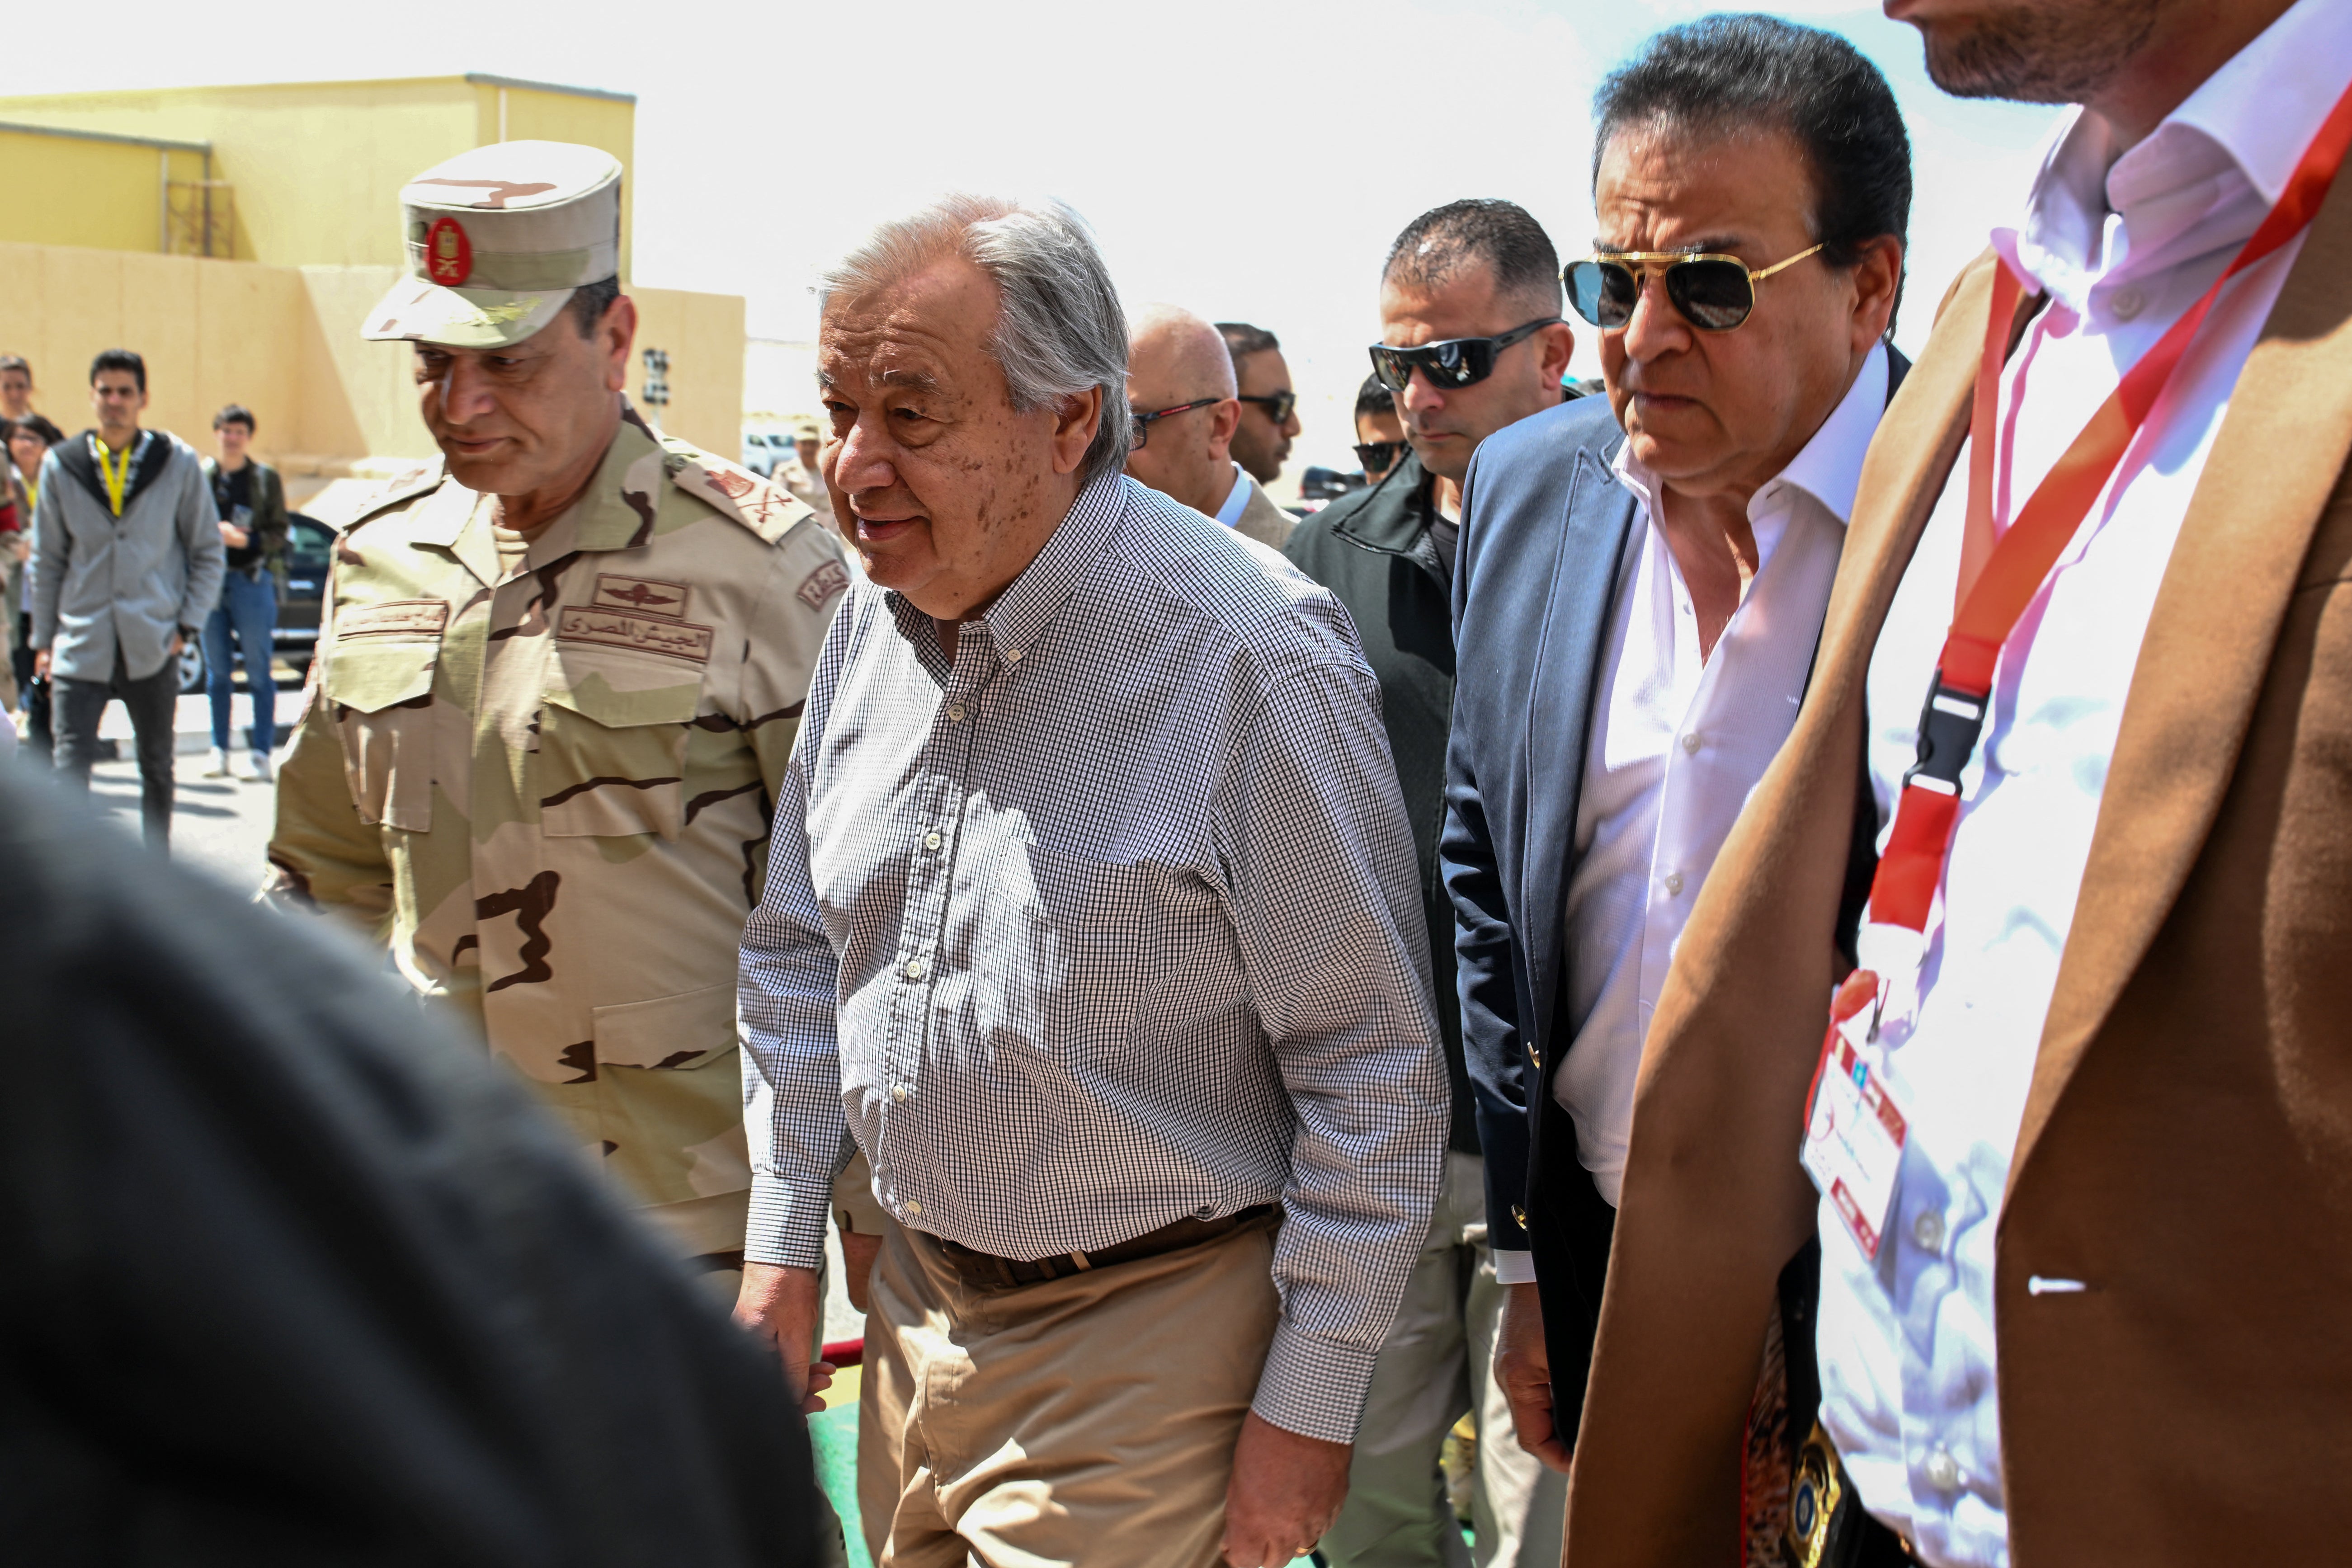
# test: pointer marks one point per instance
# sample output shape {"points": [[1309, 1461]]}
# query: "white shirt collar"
{"points": [[1236, 499], [2237, 139], [1828, 467]]}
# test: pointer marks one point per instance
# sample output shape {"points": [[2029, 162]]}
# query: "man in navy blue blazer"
{"points": [[1641, 582]]}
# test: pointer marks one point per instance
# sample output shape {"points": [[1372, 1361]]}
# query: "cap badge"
{"points": [[448, 254]]}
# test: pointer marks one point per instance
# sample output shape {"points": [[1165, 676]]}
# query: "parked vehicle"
{"points": [[309, 550], [763, 449]]}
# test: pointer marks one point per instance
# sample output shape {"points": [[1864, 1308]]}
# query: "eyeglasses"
{"points": [[1278, 405], [1139, 423], [1456, 361], [1379, 457], [1713, 293]]}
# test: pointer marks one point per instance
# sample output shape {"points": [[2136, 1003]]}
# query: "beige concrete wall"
{"points": [[211, 331], [703, 334]]}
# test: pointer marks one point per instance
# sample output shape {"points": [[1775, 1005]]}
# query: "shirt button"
{"points": [[2128, 303], [955, 712], [914, 1208], [1690, 742], [1013, 656], [1943, 1470], [899, 1092], [914, 969], [1674, 882], [932, 841], [1927, 1230]]}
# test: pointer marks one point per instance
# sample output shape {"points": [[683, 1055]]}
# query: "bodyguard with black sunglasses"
{"points": [[1457, 280], [1641, 589]]}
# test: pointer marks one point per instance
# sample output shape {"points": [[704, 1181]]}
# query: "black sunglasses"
{"points": [[1379, 457], [1456, 361], [1139, 423], [1713, 293], [1278, 405]]}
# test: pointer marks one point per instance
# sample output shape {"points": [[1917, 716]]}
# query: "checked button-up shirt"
{"points": [[1111, 921]]}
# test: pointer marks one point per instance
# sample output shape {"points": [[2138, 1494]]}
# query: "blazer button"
{"points": [[1519, 1216], [1533, 1058]]}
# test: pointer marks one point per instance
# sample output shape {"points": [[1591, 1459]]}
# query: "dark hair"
{"points": [[119, 359], [1372, 397], [1511, 245], [236, 414], [1242, 339], [1728, 73], [15, 361], [38, 424], [590, 302]]}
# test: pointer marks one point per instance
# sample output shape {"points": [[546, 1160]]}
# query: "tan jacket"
{"points": [[2187, 1142], [1262, 520], [549, 793]]}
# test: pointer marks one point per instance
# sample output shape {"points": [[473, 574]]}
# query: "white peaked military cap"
{"points": [[496, 239]]}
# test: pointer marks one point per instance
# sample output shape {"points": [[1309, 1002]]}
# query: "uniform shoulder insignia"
{"points": [[767, 510], [408, 485]]}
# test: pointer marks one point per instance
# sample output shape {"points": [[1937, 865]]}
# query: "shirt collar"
{"points": [[1236, 499], [1828, 467], [1030, 602], [2236, 140]]}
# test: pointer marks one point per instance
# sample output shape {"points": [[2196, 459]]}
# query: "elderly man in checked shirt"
{"points": [[1091, 918]]}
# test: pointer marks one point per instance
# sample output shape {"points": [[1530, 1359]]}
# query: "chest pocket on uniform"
{"points": [[382, 689], [612, 745]]}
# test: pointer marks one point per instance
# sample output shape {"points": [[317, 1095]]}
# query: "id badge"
{"points": [[1853, 1129]]}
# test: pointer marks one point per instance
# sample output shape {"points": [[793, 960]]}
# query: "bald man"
{"points": [[1179, 384]]}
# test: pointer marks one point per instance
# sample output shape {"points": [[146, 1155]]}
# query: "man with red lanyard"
{"points": [[2076, 1134]]}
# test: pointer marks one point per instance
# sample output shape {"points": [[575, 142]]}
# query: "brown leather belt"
{"points": [[985, 1271]]}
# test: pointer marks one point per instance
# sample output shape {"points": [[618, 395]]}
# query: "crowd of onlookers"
{"points": [[106, 611], [1252, 990]]}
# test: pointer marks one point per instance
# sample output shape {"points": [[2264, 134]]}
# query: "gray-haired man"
{"points": [[1091, 917]]}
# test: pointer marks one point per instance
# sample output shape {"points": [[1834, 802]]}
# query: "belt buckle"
{"points": [[1815, 1494]]}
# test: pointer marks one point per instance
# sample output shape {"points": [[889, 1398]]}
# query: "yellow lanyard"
{"points": [[116, 483]]}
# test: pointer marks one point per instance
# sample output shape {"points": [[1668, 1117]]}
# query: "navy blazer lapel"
{"points": [[1592, 540]]}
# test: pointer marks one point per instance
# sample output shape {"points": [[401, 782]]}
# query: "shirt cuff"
{"points": [[782, 1229], [1313, 1386], [1514, 1267]]}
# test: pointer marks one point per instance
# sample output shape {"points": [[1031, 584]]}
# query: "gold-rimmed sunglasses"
{"points": [[1714, 293]]}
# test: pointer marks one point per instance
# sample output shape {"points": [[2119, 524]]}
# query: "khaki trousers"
{"points": [[1081, 1423], [1437, 1363]]}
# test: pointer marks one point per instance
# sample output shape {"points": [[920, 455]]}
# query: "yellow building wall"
{"points": [[535, 114], [64, 190], [703, 335], [317, 167]]}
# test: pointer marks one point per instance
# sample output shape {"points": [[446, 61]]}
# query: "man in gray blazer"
{"points": [[127, 562]]}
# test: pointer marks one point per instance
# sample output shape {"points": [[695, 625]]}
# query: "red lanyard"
{"points": [[1999, 579]]}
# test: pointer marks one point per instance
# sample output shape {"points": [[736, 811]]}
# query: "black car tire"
{"points": [[192, 667]]}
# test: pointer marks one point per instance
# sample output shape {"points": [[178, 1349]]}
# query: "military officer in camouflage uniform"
{"points": [[557, 682]]}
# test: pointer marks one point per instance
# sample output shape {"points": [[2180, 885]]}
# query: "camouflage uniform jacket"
{"points": [[550, 793]]}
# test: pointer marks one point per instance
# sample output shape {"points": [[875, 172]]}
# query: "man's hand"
{"points": [[858, 1251], [178, 642], [41, 662], [780, 1305], [1523, 1368], [1285, 1491]]}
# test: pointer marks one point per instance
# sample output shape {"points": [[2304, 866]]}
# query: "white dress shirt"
{"points": [[2122, 246], [1236, 499], [1677, 743]]}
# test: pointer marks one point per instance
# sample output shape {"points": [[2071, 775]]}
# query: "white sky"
{"points": [[1243, 158]]}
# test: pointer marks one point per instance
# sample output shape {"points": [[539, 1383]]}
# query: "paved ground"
{"points": [[220, 828]]}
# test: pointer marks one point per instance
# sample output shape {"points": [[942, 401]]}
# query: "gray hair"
{"points": [[1059, 328]]}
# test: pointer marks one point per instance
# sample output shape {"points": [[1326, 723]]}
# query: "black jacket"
{"points": [[289, 1276], [1372, 548]]}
